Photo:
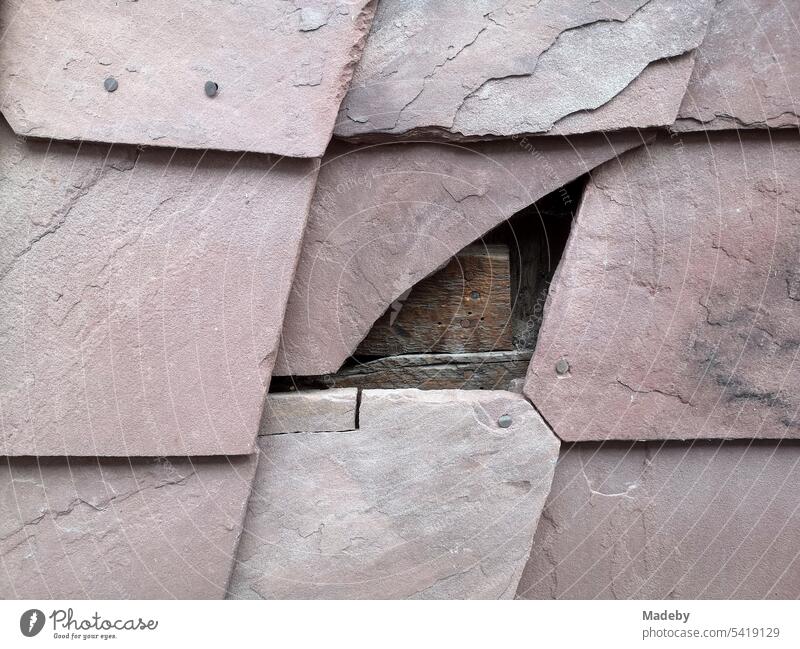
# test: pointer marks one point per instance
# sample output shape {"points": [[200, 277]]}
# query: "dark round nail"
{"points": [[211, 88], [562, 367], [504, 421], [475, 295], [110, 84]]}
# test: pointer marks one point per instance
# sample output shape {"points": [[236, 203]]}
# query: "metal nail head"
{"points": [[110, 84], [211, 88], [562, 367], [504, 421], [475, 295]]}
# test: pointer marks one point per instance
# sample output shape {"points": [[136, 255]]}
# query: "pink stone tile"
{"points": [[699, 520], [75, 528], [142, 294], [468, 70], [431, 498], [281, 71], [747, 71], [675, 312]]}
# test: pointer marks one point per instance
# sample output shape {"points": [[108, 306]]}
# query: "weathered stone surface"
{"points": [[675, 312], [481, 68], [141, 295], [431, 498], [747, 71], [384, 217], [706, 520], [282, 71], [652, 99], [309, 410], [120, 528]]}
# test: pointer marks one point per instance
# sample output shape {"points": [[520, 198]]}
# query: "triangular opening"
{"points": [[473, 323]]}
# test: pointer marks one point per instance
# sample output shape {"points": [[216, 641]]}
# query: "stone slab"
{"points": [[281, 71], [142, 294], [120, 528], [675, 312], [309, 411], [652, 99], [747, 71], [489, 68], [700, 520], [430, 498], [386, 216]]}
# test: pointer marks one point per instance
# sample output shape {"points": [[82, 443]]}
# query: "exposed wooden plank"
{"points": [[535, 237], [464, 307], [470, 371]]}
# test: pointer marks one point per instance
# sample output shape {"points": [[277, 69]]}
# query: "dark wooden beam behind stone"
{"points": [[464, 307], [473, 371]]}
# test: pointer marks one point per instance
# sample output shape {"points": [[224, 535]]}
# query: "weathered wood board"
{"points": [[482, 371], [464, 307]]}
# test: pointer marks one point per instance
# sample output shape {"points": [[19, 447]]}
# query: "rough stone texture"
{"points": [[385, 216], [429, 499], [488, 67], [141, 295], [120, 528], [676, 308], [282, 71], [706, 520], [652, 99], [747, 71], [310, 410]]}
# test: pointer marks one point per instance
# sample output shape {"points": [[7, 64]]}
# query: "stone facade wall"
{"points": [[194, 198]]}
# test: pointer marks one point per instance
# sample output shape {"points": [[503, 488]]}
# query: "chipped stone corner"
{"points": [[334, 410]]}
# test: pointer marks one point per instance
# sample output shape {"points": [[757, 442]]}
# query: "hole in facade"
{"points": [[432, 339]]}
